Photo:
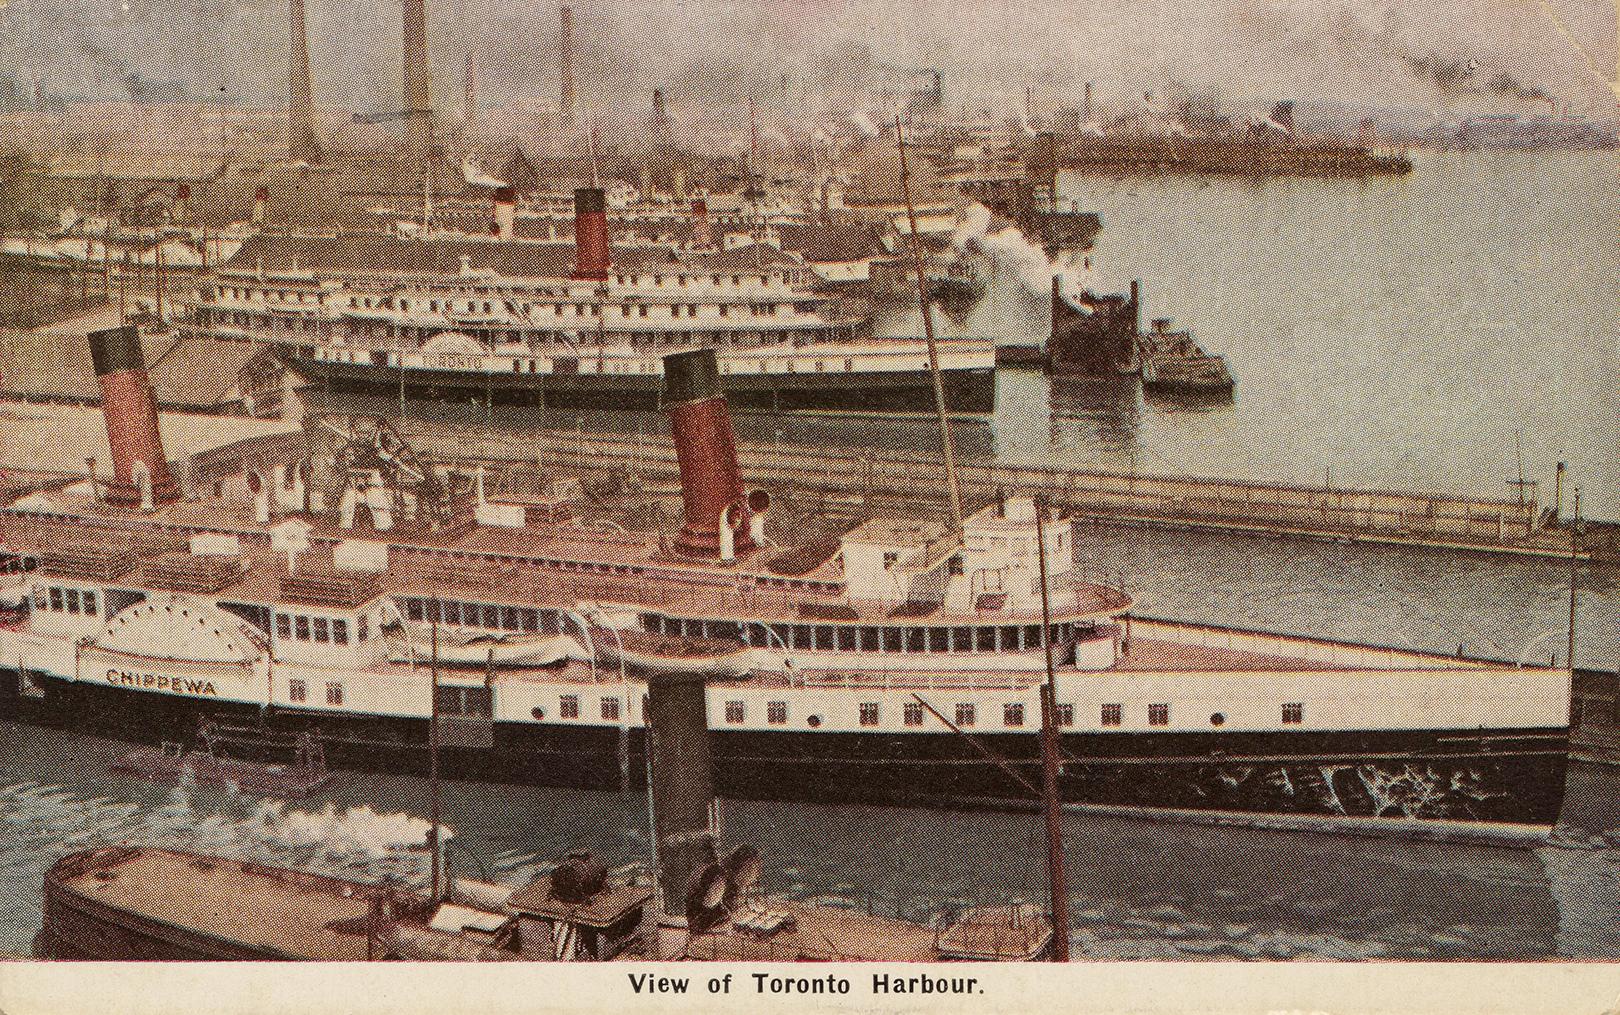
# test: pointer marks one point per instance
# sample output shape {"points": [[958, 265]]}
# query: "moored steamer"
{"points": [[535, 323], [850, 675]]}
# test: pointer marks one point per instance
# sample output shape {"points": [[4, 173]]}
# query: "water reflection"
{"points": [[1099, 414]]}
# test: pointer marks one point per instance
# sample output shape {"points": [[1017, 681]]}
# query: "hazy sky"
{"points": [[1390, 53]]}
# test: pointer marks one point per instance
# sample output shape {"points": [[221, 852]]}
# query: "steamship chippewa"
{"points": [[880, 667], [537, 323]]}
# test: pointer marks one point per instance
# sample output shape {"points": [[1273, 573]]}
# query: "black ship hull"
{"points": [[967, 392], [1408, 781]]}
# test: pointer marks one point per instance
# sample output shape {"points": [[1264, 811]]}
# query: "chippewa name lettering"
{"points": [[153, 682], [453, 361]]}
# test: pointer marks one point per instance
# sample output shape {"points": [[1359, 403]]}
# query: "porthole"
{"points": [[538, 713], [1218, 719], [814, 721]]}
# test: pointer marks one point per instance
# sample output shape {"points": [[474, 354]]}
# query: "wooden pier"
{"points": [[873, 481]]}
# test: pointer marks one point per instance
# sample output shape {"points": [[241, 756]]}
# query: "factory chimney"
{"points": [[418, 111], [301, 144], [565, 59], [140, 469], [702, 232], [505, 213], [592, 254], [469, 92], [717, 516]]}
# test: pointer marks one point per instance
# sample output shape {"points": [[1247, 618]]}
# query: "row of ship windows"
{"points": [[496, 618], [846, 638], [595, 309], [520, 366], [577, 309], [333, 630], [728, 339], [297, 690], [1012, 714], [234, 292], [66, 601], [966, 713], [658, 280]]}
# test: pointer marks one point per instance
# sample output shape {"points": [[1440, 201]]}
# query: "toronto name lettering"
{"points": [[153, 682]]}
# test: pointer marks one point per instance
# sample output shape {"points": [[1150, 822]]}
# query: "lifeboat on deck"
{"points": [[665, 653], [468, 646]]}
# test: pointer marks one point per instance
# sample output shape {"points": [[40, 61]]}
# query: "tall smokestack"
{"points": [[505, 213], [702, 232], [301, 144], [592, 255], [660, 110], [418, 111], [469, 92], [682, 783], [565, 60], [140, 469], [706, 448]]}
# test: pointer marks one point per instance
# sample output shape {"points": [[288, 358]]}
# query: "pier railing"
{"points": [[1100, 495]]}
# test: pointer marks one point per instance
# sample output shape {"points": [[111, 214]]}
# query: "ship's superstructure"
{"points": [[846, 670], [584, 325]]}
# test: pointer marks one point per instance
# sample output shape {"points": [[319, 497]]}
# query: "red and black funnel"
{"points": [[593, 258], [132, 419], [706, 447]]}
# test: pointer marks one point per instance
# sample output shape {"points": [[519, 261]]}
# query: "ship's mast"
{"points": [[1050, 751], [946, 447], [433, 758], [1574, 563]]}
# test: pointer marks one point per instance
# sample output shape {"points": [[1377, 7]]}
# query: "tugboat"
{"points": [[1175, 365], [1101, 336]]}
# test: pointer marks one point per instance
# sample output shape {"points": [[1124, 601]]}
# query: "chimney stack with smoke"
{"points": [[565, 60], [418, 111], [301, 144], [140, 469], [592, 254], [660, 111]]}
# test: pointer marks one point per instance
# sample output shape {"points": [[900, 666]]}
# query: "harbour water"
{"points": [[1402, 332], [1418, 332], [1398, 332], [1143, 889]]}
